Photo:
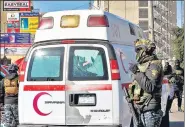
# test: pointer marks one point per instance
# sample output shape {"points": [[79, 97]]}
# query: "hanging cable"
{"points": [[80, 6]]}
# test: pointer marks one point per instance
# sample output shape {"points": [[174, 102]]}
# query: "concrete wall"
{"points": [[124, 9]]}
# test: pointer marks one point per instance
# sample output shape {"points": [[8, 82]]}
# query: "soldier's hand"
{"points": [[133, 68]]}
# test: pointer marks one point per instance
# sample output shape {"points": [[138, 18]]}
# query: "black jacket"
{"points": [[167, 69], [151, 82], [179, 78]]}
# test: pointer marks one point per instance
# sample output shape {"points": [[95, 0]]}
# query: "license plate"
{"points": [[86, 100]]}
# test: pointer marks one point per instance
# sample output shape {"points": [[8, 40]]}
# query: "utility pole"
{"points": [[167, 48], [108, 6], [152, 21], [125, 9]]}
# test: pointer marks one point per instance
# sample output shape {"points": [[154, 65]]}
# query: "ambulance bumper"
{"points": [[69, 126]]}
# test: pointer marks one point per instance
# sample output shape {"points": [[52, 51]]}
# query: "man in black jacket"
{"points": [[149, 80], [177, 79], [167, 69], [9, 88]]}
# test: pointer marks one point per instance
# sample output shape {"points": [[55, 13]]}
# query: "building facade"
{"points": [[156, 18]]}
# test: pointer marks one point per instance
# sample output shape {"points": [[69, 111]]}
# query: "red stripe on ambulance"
{"points": [[67, 87]]}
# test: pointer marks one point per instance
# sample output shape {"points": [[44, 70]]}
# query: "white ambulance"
{"points": [[75, 71]]}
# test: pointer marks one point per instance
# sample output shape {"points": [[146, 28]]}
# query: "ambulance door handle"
{"points": [[71, 99]]}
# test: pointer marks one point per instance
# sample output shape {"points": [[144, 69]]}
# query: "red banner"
{"points": [[13, 30]]}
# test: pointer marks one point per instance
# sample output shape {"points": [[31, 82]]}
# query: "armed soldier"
{"points": [[10, 94], [147, 85], [177, 79]]}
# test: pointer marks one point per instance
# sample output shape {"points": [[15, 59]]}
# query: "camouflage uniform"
{"points": [[10, 115], [9, 86], [147, 85]]}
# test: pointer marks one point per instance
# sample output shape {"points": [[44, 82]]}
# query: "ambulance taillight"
{"points": [[22, 71], [46, 23], [114, 70], [97, 21]]}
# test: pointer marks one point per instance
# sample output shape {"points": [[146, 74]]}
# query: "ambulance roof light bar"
{"points": [[97, 21]]}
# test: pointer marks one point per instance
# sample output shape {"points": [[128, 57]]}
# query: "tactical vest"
{"points": [[11, 86], [135, 91]]}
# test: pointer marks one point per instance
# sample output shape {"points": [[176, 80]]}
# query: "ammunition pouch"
{"points": [[11, 86], [140, 105]]}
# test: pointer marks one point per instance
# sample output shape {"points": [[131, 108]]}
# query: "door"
{"points": [[42, 94], [89, 88]]}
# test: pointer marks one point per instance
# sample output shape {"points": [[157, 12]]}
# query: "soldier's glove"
{"points": [[133, 68]]}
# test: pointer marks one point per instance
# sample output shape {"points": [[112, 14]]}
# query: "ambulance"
{"points": [[74, 73]]}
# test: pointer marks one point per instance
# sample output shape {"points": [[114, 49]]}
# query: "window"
{"points": [[87, 63], [143, 24], [46, 65], [143, 3], [132, 31], [143, 13]]}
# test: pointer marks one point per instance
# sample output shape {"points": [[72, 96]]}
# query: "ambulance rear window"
{"points": [[46, 65], [87, 63]]}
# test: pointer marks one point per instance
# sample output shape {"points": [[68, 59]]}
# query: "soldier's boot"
{"points": [[179, 109]]}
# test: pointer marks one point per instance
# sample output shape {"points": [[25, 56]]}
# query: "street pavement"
{"points": [[176, 118]]}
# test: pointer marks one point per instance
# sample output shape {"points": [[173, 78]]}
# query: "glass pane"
{"points": [[46, 64], [87, 64], [143, 3], [143, 13]]}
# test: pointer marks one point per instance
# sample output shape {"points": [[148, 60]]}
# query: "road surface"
{"points": [[177, 118]]}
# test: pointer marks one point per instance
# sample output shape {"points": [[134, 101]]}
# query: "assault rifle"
{"points": [[134, 111]]}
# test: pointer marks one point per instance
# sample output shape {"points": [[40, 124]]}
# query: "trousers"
{"points": [[9, 117], [150, 119], [178, 94]]}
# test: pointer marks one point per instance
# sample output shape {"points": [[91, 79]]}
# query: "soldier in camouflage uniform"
{"points": [[147, 85], [177, 79], [9, 118]]}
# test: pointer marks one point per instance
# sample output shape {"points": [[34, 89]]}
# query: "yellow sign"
{"points": [[29, 24]]}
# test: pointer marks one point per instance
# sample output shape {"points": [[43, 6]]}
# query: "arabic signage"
{"points": [[13, 24], [29, 22], [15, 38], [15, 50], [15, 43], [17, 5]]}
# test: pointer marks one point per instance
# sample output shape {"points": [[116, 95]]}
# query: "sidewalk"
{"points": [[177, 118]]}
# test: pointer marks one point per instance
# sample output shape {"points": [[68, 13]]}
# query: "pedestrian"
{"points": [[1, 100], [148, 75], [177, 79], [9, 86], [168, 73], [167, 69]]}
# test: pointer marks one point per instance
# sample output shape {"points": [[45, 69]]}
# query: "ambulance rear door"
{"points": [[42, 94], [89, 86]]}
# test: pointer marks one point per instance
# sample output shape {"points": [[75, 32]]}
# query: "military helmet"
{"points": [[144, 44]]}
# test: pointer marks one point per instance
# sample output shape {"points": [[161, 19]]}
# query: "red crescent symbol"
{"points": [[35, 104]]}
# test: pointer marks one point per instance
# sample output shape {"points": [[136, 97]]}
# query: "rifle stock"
{"points": [[134, 112]]}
